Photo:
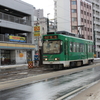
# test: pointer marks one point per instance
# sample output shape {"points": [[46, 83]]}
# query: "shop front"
{"points": [[5, 57], [10, 57], [11, 53]]}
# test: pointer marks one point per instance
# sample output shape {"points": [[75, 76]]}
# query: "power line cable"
{"points": [[63, 19]]}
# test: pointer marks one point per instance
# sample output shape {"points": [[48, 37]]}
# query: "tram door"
{"points": [[66, 50]]}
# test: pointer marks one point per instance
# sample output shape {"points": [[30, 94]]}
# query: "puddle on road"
{"points": [[23, 73]]}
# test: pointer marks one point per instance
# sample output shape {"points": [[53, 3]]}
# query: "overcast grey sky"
{"points": [[46, 5]]}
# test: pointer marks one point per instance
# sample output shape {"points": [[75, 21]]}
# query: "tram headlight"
{"points": [[45, 59], [56, 58]]}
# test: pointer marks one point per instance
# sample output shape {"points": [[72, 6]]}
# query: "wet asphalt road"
{"points": [[11, 74], [53, 88]]}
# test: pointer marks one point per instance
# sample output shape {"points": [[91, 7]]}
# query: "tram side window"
{"points": [[83, 46], [71, 46], [77, 47], [88, 48], [92, 48], [80, 47], [74, 47], [65, 47]]}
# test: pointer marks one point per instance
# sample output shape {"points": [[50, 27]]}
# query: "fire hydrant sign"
{"points": [[36, 30]]}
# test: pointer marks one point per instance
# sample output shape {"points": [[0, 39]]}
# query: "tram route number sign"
{"points": [[36, 30], [51, 37]]}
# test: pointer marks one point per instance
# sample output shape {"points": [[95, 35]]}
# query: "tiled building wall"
{"points": [[86, 20]]}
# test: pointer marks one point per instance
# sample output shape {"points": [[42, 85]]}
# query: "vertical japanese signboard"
{"points": [[36, 30]]}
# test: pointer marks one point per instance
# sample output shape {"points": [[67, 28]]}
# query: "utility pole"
{"points": [[48, 22], [0, 49], [94, 42], [37, 34]]}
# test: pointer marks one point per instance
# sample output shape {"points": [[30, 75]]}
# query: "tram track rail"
{"points": [[41, 77], [12, 74]]}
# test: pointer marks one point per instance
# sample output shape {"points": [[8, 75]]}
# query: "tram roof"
{"points": [[65, 33]]}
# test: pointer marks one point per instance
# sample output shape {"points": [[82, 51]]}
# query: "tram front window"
{"points": [[51, 47]]}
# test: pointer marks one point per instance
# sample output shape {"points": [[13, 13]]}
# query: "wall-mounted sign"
{"points": [[36, 30], [21, 55], [17, 38]]}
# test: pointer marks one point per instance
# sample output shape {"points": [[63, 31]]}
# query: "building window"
{"points": [[88, 29], [91, 39], [81, 3], [81, 11], [74, 19], [90, 7], [87, 6], [85, 20], [84, 12], [73, 2], [90, 22], [81, 19], [91, 29], [74, 27], [74, 10], [84, 5], [87, 14], [90, 14], [82, 28], [85, 28], [55, 3]]}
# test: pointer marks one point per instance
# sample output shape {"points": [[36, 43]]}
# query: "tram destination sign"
{"points": [[51, 37]]}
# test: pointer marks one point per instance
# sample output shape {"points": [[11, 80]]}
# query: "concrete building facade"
{"points": [[96, 25], [16, 32], [38, 13], [74, 16]]}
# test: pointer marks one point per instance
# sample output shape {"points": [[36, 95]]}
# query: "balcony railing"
{"points": [[15, 19]]}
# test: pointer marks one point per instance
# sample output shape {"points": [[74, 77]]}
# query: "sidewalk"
{"points": [[92, 93], [13, 67]]}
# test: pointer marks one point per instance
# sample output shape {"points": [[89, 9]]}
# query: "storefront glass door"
{"points": [[5, 57]]}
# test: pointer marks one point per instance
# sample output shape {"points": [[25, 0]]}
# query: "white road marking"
{"points": [[73, 92]]}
